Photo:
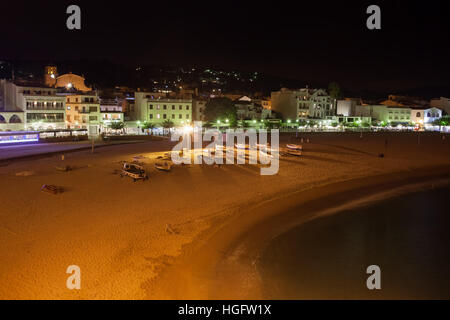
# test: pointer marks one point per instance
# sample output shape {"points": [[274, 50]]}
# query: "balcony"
{"points": [[45, 108]]}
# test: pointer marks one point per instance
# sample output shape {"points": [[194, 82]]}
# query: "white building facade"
{"points": [[25, 107], [303, 103]]}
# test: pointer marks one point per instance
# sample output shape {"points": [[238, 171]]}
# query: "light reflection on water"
{"points": [[408, 237]]}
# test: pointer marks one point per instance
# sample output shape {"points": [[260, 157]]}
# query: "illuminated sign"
{"points": [[19, 137]]}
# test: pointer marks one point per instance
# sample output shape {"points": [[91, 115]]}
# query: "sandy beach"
{"points": [[175, 235]]}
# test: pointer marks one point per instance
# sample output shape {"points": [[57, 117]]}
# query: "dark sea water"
{"points": [[407, 237]]}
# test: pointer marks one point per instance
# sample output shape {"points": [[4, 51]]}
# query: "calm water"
{"points": [[408, 237]]}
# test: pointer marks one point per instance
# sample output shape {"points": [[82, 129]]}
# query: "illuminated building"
{"points": [[68, 80], [83, 111], [30, 107], [156, 109], [302, 103]]}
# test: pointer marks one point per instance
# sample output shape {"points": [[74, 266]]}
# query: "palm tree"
{"points": [[117, 125], [150, 126], [168, 124], [244, 124]]}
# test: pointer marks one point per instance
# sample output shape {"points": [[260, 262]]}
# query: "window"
{"points": [[173, 116], [418, 114], [151, 116], [68, 118], [158, 116], [180, 116], [428, 115], [181, 107], [151, 107], [164, 116], [173, 107], [92, 109], [92, 118], [187, 107], [158, 107], [187, 116], [76, 108], [164, 107]]}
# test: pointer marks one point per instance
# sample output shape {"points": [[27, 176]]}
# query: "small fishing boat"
{"points": [[163, 165], [134, 171], [293, 152], [294, 147]]}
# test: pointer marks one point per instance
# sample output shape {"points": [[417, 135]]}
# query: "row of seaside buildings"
{"points": [[65, 102]]}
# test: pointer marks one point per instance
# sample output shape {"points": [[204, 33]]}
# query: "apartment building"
{"points": [[198, 109], [384, 113], [111, 110], [155, 108], [303, 103], [27, 106], [83, 111]]}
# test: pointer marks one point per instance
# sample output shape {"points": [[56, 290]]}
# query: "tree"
{"points": [[243, 124], [148, 125], [443, 121], [117, 125], [168, 124], [335, 91], [312, 123], [221, 109]]}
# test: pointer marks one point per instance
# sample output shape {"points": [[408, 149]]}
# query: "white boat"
{"points": [[293, 152], [294, 146], [163, 165]]}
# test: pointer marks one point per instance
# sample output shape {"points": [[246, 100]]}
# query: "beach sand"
{"points": [[125, 235]]}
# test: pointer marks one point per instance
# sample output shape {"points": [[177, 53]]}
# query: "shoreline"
{"points": [[221, 262]]}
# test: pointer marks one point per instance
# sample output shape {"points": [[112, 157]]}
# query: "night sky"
{"points": [[317, 41]]}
